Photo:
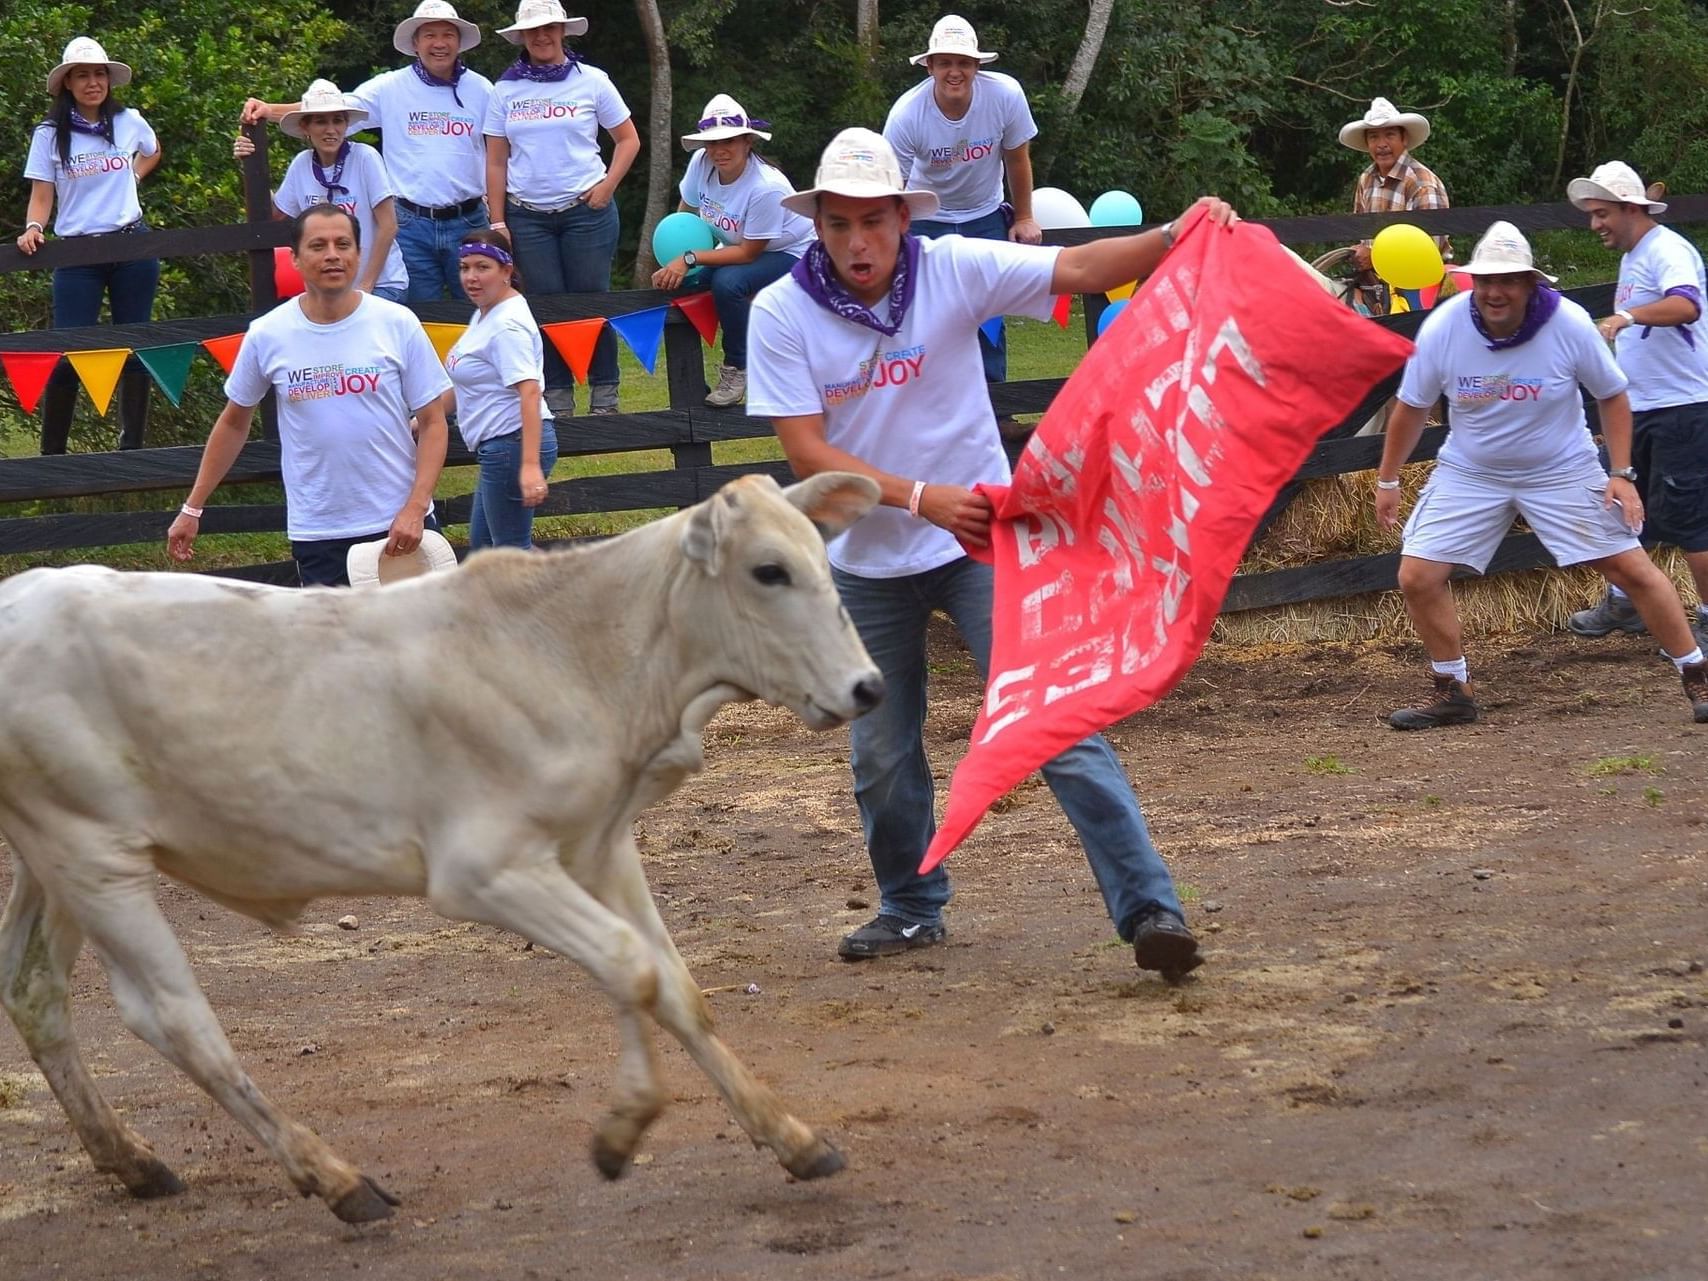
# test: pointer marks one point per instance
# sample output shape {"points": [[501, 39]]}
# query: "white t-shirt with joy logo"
{"points": [[553, 131], [1667, 364], [435, 150], [750, 208], [960, 160], [368, 182], [96, 191], [497, 351]]}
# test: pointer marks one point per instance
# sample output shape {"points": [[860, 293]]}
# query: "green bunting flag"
{"points": [[170, 367]]}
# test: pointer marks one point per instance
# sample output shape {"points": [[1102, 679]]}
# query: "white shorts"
{"points": [[1461, 517]]}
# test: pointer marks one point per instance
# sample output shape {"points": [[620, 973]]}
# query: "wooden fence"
{"points": [[688, 428]]}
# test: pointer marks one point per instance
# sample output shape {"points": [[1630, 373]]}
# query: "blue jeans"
{"points": [[733, 287], [892, 777], [498, 518], [429, 249], [991, 227], [569, 253], [391, 293], [77, 295]]}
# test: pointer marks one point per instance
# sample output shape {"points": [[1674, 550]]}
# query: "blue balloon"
{"points": [[1116, 209], [679, 232], [1109, 313]]}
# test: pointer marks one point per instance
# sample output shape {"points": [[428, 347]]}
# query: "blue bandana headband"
{"points": [[482, 250]]}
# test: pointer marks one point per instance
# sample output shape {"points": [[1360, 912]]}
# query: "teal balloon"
{"points": [[1117, 209], [679, 232], [1109, 313]]}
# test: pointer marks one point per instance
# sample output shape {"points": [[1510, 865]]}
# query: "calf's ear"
{"points": [[833, 500], [708, 524]]}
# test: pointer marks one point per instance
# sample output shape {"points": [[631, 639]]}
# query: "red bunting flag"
{"points": [[224, 350], [702, 312], [574, 341], [29, 372], [1139, 491], [1063, 310]]}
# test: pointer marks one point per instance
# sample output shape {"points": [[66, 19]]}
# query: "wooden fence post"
{"points": [[258, 207], [685, 374]]}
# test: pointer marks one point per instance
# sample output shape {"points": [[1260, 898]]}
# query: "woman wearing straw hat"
{"points": [[87, 157], [545, 175], [351, 175], [739, 195], [1511, 355]]}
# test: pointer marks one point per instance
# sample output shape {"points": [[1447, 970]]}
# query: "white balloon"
{"points": [[1055, 208]]}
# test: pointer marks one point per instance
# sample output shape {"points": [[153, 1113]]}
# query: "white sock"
{"points": [[1689, 660], [1617, 593], [1456, 669]]}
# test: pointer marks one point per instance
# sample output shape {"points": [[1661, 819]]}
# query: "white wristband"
{"points": [[1629, 318], [498, 226], [914, 497], [1386, 484], [33, 225], [194, 513]]}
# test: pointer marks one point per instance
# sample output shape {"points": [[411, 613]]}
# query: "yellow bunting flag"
{"points": [[1121, 291], [443, 336], [574, 341], [100, 372]]}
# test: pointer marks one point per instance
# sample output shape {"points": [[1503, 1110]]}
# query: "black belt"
{"points": [[443, 211], [129, 229]]}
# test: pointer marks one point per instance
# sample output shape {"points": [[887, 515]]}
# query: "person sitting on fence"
{"points": [[1391, 183], [498, 376], [1511, 356], [88, 156], [1661, 342], [349, 369], [429, 115], [336, 171], [866, 359], [556, 194], [738, 194]]}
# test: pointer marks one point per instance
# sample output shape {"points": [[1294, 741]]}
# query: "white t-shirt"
{"points": [[434, 149], [961, 160], [96, 192], [346, 391], [553, 131], [1667, 364], [368, 182], [750, 208], [915, 404], [1516, 412], [497, 351]]}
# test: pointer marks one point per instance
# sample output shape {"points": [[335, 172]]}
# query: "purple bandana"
{"points": [[1544, 302], [331, 180], [98, 128], [482, 250], [543, 72], [733, 122], [428, 78], [1694, 297], [815, 274]]}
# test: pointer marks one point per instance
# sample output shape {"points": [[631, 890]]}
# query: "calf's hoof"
{"points": [[612, 1161], [367, 1202], [152, 1178], [819, 1161]]}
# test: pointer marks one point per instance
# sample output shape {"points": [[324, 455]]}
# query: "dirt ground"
{"points": [[1452, 1024]]}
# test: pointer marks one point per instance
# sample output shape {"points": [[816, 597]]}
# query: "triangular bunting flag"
{"points": [[170, 367], [1064, 308], [29, 372], [642, 331], [702, 312], [443, 336], [574, 341], [224, 349], [992, 330], [100, 372]]}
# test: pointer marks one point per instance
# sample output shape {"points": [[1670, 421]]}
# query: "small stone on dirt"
{"points": [[1126, 1216], [308, 1049], [1049, 1029], [1675, 1022], [1211, 905], [857, 904], [347, 922], [752, 989], [1351, 1213], [1483, 873], [1312, 1232], [1695, 967]]}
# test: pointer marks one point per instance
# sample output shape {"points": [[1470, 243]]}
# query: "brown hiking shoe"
{"points": [[1451, 704], [1696, 690]]}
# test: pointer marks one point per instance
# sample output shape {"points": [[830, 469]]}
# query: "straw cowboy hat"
{"points": [[724, 117], [1502, 251], [1384, 115], [1615, 181], [85, 51], [859, 163], [322, 98], [403, 35], [541, 13], [369, 566], [953, 34]]}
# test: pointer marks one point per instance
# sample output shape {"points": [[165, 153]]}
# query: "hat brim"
{"points": [[1416, 127], [920, 204], [982, 55], [571, 27], [1501, 267], [403, 36], [1580, 191], [118, 74], [291, 122], [367, 565], [694, 141]]}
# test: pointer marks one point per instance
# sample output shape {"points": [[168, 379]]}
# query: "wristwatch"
{"points": [[1167, 235], [1624, 473], [690, 259]]}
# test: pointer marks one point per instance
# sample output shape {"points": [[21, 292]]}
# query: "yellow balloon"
{"points": [[1122, 291], [1406, 257]]}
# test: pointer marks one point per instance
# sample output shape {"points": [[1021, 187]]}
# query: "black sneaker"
{"points": [[1696, 690], [887, 935], [1610, 614], [1162, 942], [1450, 704]]}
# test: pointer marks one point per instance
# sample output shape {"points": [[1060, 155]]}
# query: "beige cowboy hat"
{"points": [[369, 566], [541, 13], [953, 34], [403, 35], [1617, 182], [322, 98], [85, 51], [860, 164], [1502, 251], [1384, 115], [724, 117]]}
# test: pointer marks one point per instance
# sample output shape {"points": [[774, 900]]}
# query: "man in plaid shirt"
{"points": [[1393, 181]]}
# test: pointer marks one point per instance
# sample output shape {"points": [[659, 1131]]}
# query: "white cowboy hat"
{"points": [[403, 35], [859, 163], [321, 98], [1502, 251], [369, 566], [953, 34], [1384, 115], [1615, 181], [541, 13], [85, 51], [724, 117]]}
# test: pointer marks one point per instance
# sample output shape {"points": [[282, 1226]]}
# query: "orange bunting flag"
{"points": [[443, 336], [224, 349], [702, 313], [574, 341], [100, 372], [28, 372], [1064, 308]]}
